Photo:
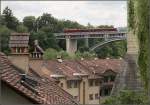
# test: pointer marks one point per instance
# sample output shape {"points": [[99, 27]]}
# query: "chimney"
{"points": [[59, 59], [36, 42], [82, 59], [19, 50], [38, 51]]}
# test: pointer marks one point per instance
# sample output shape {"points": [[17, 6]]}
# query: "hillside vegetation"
{"points": [[42, 29]]}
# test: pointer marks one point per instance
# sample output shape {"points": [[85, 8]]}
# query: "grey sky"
{"points": [[94, 12]]}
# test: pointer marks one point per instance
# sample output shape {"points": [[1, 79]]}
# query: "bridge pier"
{"points": [[86, 42], [106, 37], [71, 45]]}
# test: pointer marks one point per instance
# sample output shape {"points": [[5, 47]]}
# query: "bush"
{"points": [[64, 54], [50, 54], [127, 97], [86, 55]]}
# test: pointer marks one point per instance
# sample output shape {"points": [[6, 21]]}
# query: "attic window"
{"points": [[29, 82]]}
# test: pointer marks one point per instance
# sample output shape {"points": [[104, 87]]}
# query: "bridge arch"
{"points": [[105, 42]]}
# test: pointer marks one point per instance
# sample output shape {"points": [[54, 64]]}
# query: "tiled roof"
{"points": [[88, 67], [46, 91], [36, 65], [19, 40], [67, 67], [101, 65]]}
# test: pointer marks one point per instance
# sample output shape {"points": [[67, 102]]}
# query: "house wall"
{"points": [[9, 96], [20, 61], [93, 90], [82, 91], [72, 91]]}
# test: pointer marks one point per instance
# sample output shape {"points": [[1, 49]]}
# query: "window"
{"points": [[61, 84], [69, 85], [75, 84], [107, 91], [90, 96], [76, 97], [106, 79], [96, 96], [90, 82], [101, 92], [112, 78], [96, 82], [72, 84]]}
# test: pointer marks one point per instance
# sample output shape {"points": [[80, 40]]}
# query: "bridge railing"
{"points": [[90, 35]]}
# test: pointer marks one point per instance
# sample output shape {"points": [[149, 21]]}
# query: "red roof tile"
{"points": [[87, 67], [46, 91]]}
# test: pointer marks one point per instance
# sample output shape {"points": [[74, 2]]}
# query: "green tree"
{"points": [[45, 37], [10, 21], [64, 54], [29, 22], [105, 26], [50, 54], [21, 28], [138, 24], [89, 26], [142, 30], [127, 97], [2, 20], [4, 39], [46, 20]]}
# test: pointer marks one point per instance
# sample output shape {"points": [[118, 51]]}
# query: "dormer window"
{"points": [[61, 85], [72, 84], [91, 82], [94, 83], [29, 82]]}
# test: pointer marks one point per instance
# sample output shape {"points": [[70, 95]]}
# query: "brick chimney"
{"points": [[38, 51], [19, 50]]}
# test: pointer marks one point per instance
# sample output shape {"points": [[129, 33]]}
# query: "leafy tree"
{"points": [[46, 39], [83, 49], [29, 22], [50, 54], [90, 26], [127, 97], [138, 23], [10, 21], [113, 50], [143, 30], [21, 28], [2, 20], [64, 54], [46, 20], [4, 39], [105, 26]]}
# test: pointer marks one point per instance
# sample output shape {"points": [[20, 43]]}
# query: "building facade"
{"points": [[88, 81]]}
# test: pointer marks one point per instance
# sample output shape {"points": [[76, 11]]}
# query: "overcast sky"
{"points": [[94, 12]]}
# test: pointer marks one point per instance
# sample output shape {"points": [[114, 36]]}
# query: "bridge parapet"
{"points": [[80, 35]]}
